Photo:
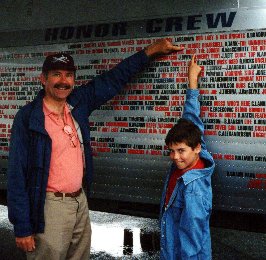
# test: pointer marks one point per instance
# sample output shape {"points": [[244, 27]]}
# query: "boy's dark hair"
{"points": [[184, 132]]}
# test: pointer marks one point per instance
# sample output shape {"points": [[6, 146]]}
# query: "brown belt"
{"points": [[72, 194]]}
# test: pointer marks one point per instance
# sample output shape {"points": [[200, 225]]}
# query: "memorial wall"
{"points": [[128, 132]]}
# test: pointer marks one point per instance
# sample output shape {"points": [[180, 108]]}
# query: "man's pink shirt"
{"points": [[66, 167]]}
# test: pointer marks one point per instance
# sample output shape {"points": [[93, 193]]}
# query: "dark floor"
{"points": [[252, 222], [117, 236]]}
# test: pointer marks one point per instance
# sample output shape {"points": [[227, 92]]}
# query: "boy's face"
{"points": [[183, 155]]}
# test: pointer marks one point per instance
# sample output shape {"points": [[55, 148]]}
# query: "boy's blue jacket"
{"points": [[30, 145], [185, 232]]}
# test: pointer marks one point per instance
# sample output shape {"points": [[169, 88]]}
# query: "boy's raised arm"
{"points": [[192, 108]]}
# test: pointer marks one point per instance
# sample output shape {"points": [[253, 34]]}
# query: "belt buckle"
{"points": [[71, 195]]}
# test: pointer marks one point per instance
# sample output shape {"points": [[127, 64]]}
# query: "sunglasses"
{"points": [[69, 131]]}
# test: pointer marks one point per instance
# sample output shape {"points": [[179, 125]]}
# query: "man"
{"points": [[50, 156]]}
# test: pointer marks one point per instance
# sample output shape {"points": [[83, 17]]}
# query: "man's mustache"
{"points": [[62, 86]]}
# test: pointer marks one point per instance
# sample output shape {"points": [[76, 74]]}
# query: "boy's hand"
{"points": [[193, 73], [161, 47]]}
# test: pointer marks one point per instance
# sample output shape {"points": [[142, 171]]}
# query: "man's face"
{"points": [[183, 155], [58, 84]]}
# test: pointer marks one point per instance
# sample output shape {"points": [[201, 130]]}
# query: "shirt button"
{"points": [[162, 235]]}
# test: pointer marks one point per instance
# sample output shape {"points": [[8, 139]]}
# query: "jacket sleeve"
{"points": [[193, 222], [17, 196], [110, 83], [192, 111]]}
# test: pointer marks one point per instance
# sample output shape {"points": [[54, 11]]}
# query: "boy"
{"points": [[187, 196]]}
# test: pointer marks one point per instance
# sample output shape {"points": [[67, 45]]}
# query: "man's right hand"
{"points": [[27, 244], [162, 47]]}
